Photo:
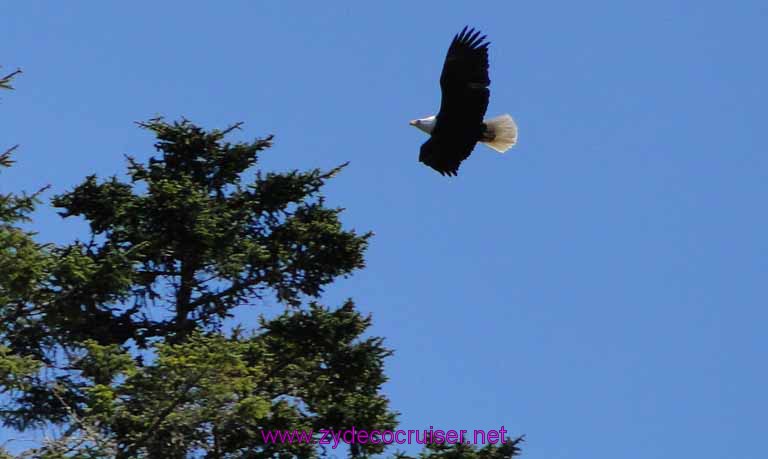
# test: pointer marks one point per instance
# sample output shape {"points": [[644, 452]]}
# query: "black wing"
{"points": [[464, 83]]}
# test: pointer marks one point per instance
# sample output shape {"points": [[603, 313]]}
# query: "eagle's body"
{"points": [[459, 124]]}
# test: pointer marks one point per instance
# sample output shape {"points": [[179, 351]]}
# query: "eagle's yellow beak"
{"points": [[413, 122]]}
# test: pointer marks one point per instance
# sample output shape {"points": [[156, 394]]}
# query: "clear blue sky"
{"points": [[600, 288]]}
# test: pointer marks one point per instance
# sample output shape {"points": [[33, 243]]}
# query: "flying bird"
{"points": [[460, 123]]}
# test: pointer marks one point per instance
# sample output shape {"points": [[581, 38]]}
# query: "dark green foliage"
{"points": [[197, 242], [127, 325], [510, 448], [216, 393]]}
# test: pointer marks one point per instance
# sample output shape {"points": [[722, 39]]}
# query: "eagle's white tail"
{"points": [[503, 130]]}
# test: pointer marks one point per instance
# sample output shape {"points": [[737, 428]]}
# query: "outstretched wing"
{"points": [[441, 157], [464, 79], [464, 83]]}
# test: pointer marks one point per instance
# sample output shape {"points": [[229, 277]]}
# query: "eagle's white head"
{"points": [[424, 124]]}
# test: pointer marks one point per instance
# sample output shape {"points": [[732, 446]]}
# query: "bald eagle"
{"points": [[459, 124]]}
